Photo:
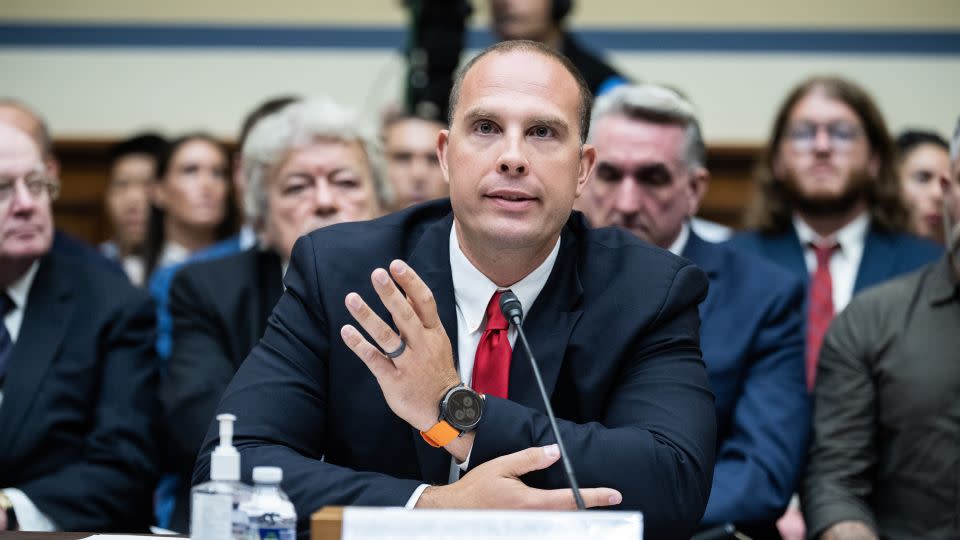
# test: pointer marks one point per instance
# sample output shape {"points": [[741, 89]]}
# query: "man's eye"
{"points": [[607, 173], [485, 127], [542, 131]]}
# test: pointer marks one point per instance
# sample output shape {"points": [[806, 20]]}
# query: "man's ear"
{"points": [[588, 162], [443, 142], [699, 181]]}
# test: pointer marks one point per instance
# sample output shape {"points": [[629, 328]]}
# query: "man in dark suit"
{"points": [[650, 179], [77, 374], [828, 206], [296, 162], [620, 360]]}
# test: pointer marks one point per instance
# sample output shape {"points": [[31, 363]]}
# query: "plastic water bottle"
{"points": [[270, 514], [214, 505]]}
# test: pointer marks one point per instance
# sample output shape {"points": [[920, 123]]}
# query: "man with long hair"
{"points": [[828, 204]]}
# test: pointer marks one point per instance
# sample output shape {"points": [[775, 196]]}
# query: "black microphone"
{"points": [[513, 311]]}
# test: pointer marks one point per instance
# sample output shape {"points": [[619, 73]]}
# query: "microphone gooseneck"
{"points": [[513, 311]]}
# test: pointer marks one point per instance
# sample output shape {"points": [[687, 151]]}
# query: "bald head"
{"points": [[19, 115]]}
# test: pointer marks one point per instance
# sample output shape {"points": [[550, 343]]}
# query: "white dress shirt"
{"points": [[472, 291], [28, 516], [845, 262], [681, 241]]}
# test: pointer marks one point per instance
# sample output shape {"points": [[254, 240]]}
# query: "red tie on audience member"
{"points": [[820, 309], [491, 365]]}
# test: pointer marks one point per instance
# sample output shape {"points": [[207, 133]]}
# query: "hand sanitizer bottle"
{"points": [[214, 513]]}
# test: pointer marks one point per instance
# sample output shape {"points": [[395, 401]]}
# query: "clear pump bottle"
{"points": [[215, 505]]}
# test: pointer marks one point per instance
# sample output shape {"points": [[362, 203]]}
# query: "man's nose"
{"points": [[627, 196], [512, 161], [22, 200], [326, 202]]}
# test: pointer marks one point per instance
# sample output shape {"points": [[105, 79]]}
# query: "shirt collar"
{"points": [[852, 233], [681, 242], [20, 289], [473, 290], [173, 253]]}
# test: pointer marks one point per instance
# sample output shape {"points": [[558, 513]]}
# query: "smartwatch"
{"points": [[460, 411]]}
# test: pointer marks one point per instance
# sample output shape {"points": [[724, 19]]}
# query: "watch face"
{"points": [[463, 409]]}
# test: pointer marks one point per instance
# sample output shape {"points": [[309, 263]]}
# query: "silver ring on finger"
{"points": [[398, 351]]}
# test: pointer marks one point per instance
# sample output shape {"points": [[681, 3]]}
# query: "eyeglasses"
{"points": [[803, 136], [36, 184]]}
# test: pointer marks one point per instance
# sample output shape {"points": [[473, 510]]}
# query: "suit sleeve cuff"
{"points": [[412, 501], [29, 517]]}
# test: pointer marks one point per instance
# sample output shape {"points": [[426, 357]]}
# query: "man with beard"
{"points": [[828, 204], [306, 166], [828, 207]]}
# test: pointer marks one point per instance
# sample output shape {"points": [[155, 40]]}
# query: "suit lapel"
{"points": [[430, 258], [707, 257], [48, 312], [786, 249], [548, 324], [269, 281], [876, 263]]}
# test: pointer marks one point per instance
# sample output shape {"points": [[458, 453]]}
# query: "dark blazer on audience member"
{"points": [[885, 254], [219, 309], [616, 331], [79, 412], [752, 337], [65, 244]]}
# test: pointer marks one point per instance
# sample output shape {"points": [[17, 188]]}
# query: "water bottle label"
{"points": [[267, 533], [211, 517]]}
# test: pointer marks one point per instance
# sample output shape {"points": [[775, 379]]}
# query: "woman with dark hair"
{"points": [[923, 158], [192, 201], [191, 214]]}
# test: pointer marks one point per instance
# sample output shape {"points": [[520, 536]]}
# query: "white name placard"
{"points": [[401, 524]]}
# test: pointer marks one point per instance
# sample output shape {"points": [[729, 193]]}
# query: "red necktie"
{"points": [[820, 308], [491, 365]]}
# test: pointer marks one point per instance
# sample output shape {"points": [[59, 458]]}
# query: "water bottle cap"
{"points": [[267, 475]]}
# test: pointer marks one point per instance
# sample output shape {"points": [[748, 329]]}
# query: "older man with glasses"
{"points": [[77, 373]]}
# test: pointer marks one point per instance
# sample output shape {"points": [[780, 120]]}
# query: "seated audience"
{"points": [[306, 166], [318, 398], [247, 236], [78, 405], [410, 148], [828, 207], [17, 114], [544, 21], [884, 458], [923, 159], [192, 210], [650, 179], [133, 168]]}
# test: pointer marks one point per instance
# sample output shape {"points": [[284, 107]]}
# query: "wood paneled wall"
{"points": [[80, 208]]}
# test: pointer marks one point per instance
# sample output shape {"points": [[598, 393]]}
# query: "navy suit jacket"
{"points": [[616, 331], [752, 337], [80, 409], [885, 255]]}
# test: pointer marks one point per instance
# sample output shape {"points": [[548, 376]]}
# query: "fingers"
{"points": [[562, 499], [418, 294], [382, 334], [376, 362], [404, 316], [531, 459]]}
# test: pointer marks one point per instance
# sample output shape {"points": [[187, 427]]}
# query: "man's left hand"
{"points": [[414, 382]]}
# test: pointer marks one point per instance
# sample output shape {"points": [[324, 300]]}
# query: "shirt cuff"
{"points": [[29, 517], [466, 462], [412, 502]]}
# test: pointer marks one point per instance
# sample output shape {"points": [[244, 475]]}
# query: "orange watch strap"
{"points": [[441, 434]]}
